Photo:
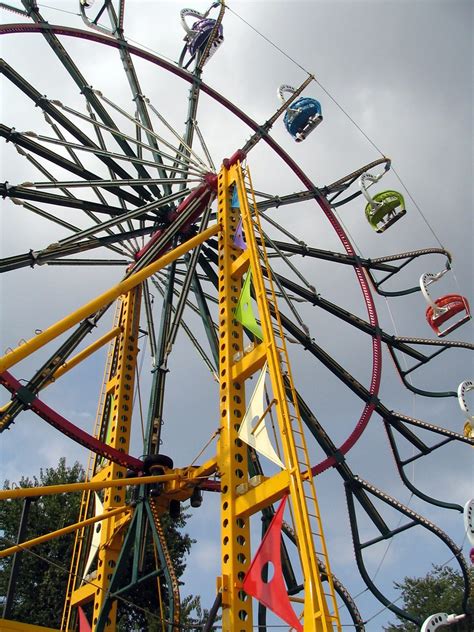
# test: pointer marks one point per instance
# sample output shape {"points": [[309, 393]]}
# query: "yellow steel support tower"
{"points": [[231, 452], [235, 366], [114, 426], [85, 508]]}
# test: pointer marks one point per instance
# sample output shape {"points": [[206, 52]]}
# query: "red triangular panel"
{"points": [[83, 622], [273, 593]]}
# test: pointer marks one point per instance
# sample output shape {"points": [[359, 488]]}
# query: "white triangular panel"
{"points": [[99, 509], [469, 520], [258, 439]]}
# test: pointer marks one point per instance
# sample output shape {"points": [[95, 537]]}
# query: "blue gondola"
{"points": [[302, 116]]}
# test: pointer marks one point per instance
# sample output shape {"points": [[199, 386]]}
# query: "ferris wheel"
{"points": [[238, 320]]}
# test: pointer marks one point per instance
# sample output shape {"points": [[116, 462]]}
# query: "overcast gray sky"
{"points": [[403, 72]]}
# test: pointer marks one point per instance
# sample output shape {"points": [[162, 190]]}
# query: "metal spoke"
{"points": [[103, 153], [103, 183], [182, 142], [150, 321], [281, 254], [63, 188], [186, 285], [191, 336], [140, 145], [135, 213], [23, 143], [199, 166], [179, 282], [89, 262], [282, 229], [204, 146], [83, 85], [113, 176]]}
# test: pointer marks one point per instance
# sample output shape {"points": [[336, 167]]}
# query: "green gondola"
{"points": [[385, 209]]}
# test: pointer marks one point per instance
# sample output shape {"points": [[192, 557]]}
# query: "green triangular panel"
{"points": [[102, 459], [244, 310], [109, 425]]}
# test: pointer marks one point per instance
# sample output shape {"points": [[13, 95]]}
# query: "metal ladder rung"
{"points": [[297, 430]]}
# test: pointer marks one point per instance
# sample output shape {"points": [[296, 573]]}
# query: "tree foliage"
{"points": [[42, 579], [440, 590]]}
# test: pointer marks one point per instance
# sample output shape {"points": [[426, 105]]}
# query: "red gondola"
{"points": [[444, 309], [447, 307]]}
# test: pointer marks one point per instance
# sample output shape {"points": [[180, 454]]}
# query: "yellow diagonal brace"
{"points": [[19, 626], [85, 353], [59, 532], [25, 492], [24, 350], [67, 366]]}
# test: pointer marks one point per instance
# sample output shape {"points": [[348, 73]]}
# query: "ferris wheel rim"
{"points": [[370, 406]]}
